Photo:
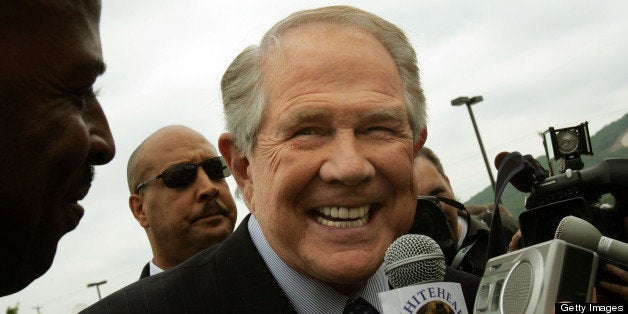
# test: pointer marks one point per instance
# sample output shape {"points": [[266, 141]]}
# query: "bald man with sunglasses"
{"points": [[179, 195]]}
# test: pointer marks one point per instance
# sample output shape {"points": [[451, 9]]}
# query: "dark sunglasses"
{"points": [[184, 174]]}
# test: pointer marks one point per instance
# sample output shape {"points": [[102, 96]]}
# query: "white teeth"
{"points": [[342, 224], [327, 211], [352, 217]]}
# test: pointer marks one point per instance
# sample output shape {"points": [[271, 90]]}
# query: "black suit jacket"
{"points": [[230, 277]]}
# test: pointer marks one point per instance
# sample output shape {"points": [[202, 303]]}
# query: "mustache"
{"points": [[211, 208], [84, 177]]}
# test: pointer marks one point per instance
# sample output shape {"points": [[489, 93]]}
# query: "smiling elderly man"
{"points": [[324, 119]]}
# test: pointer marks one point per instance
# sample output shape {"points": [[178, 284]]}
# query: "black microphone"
{"points": [[414, 259], [580, 232]]}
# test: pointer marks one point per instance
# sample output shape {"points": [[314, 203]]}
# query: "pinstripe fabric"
{"points": [[360, 306], [307, 295], [150, 269], [231, 277], [227, 278]]}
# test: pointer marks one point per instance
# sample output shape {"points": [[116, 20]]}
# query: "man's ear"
{"points": [[136, 203], [421, 141], [238, 163]]}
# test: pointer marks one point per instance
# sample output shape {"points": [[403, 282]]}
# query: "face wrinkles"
{"points": [[335, 141], [72, 58], [84, 76], [317, 117]]}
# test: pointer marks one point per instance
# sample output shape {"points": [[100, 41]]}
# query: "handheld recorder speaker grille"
{"points": [[531, 280]]}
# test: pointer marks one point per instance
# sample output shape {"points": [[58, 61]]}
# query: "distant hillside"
{"points": [[610, 142]]}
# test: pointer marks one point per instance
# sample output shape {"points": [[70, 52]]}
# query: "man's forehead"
{"points": [[53, 8], [41, 31], [89, 8], [428, 175], [172, 140], [161, 154], [352, 69]]}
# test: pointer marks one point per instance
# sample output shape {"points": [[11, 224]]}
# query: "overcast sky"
{"points": [[536, 63]]}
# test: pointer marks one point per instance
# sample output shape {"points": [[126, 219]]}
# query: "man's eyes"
{"points": [[83, 98], [374, 130], [304, 131], [380, 129]]}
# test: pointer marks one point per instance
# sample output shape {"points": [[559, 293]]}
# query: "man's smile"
{"points": [[343, 217]]}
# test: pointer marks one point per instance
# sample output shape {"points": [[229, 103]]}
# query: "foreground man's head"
{"points": [[53, 129], [325, 117]]}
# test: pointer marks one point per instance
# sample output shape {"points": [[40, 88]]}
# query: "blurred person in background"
{"points": [[469, 233], [485, 213]]}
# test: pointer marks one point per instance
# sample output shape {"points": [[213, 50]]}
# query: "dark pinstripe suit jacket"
{"points": [[230, 277]]}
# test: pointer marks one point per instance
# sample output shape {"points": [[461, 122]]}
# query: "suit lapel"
{"points": [[145, 271], [246, 282]]}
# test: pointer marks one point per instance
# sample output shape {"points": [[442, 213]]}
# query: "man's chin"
{"points": [[71, 216], [347, 282], [20, 272], [345, 274]]}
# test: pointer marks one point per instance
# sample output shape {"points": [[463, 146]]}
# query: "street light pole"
{"points": [[463, 100], [97, 284]]}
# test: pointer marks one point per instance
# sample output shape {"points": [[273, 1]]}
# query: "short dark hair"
{"points": [[431, 156]]}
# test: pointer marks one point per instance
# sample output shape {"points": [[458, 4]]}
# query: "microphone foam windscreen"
{"points": [[560, 227], [414, 259], [579, 232]]}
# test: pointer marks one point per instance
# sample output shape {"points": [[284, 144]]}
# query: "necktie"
{"points": [[359, 306]]}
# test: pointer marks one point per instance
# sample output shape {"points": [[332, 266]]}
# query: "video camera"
{"points": [[574, 191], [430, 220]]}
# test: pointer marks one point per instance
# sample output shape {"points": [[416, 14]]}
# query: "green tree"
{"points": [[13, 310], [605, 146]]}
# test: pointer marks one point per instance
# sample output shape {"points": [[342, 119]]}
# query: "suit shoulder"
{"points": [[190, 286]]}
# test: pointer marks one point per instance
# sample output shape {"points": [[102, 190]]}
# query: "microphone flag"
{"points": [[433, 297]]}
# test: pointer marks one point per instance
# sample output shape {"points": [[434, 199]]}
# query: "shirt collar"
{"points": [[153, 269], [306, 294]]}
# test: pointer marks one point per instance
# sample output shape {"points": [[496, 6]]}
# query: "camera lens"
{"points": [[567, 141]]}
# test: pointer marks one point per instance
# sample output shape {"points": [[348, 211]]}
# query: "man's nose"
{"points": [[347, 161], [102, 147], [206, 188]]}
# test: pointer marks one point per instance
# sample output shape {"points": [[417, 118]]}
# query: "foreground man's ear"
{"points": [[238, 163], [421, 141]]}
